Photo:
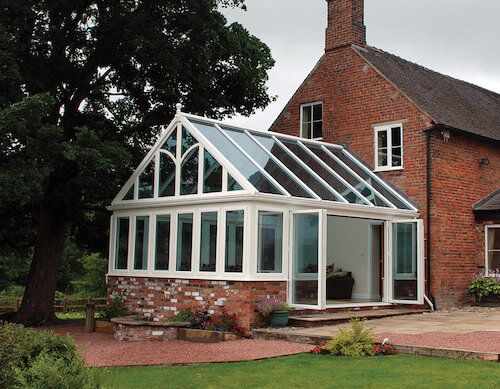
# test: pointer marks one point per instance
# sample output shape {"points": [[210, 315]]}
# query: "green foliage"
{"points": [[229, 322], [356, 342], [484, 286], [93, 281], [12, 291], [14, 269], [41, 359], [181, 316], [115, 309]]}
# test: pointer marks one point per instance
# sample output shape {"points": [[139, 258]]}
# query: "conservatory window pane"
{"points": [[141, 242], [234, 241], [292, 164], [212, 174], [167, 176], [341, 154], [130, 194], [244, 165], [147, 180], [341, 188], [232, 184], [493, 248], [270, 246], [171, 143], [264, 160], [189, 173], [121, 248], [187, 140], [360, 186], [162, 253], [208, 243], [184, 242], [404, 249]]}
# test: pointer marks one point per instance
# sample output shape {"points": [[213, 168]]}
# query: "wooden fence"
{"points": [[65, 303]]}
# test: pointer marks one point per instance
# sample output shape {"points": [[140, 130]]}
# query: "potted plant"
{"points": [[277, 311], [485, 288]]}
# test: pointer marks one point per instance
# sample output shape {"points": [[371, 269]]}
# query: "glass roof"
{"points": [[297, 167]]}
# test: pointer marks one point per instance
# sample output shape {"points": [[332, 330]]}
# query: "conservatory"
{"points": [[220, 215]]}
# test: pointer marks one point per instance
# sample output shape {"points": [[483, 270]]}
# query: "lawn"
{"points": [[313, 371]]}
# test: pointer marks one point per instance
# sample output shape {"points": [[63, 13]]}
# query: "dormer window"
{"points": [[311, 120], [389, 147]]}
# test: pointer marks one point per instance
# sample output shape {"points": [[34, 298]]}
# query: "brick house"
{"points": [[329, 210], [433, 137]]}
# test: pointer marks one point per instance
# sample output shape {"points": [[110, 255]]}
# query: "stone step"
{"points": [[329, 318]]}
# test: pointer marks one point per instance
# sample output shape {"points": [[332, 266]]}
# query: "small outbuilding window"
{"points": [[493, 247], [389, 147], [311, 120]]}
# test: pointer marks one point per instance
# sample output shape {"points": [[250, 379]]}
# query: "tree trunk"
{"points": [[37, 307]]}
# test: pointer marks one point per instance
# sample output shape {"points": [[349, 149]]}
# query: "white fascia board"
{"points": [[216, 153], [231, 197], [144, 162], [338, 207]]}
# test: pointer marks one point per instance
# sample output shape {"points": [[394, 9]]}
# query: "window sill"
{"points": [[388, 169]]}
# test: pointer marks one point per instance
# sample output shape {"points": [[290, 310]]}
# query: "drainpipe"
{"points": [[428, 238]]}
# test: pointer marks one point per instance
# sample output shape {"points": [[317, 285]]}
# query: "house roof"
{"points": [[449, 102], [489, 203]]}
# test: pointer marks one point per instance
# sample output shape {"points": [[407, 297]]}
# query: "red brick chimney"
{"points": [[345, 24]]}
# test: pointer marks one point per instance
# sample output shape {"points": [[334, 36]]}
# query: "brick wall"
{"points": [[458, 181], [159, 298]]}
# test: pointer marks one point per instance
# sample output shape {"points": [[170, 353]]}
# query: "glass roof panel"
{"points": [[239, 160], [269, 165], [369, 179], [334, 182], [361, 186], [291, 163]]}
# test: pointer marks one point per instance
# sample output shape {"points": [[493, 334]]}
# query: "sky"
{"points": [[459, 38]]}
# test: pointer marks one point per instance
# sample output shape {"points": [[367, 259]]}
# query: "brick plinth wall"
{"points": [[159, 298], [144, 333]]}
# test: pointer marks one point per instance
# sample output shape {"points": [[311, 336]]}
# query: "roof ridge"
{"points": [[430, 70]]}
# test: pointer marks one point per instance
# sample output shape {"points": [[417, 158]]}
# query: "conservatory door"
{"points": [[307, 256], [406, 262]]}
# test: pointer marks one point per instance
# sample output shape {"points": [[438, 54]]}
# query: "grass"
{"points": [[313, 371]]}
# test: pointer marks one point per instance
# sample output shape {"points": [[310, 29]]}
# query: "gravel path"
{"points": [[482, 341], [102, 350]]}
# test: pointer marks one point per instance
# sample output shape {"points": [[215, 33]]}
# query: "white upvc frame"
{"points": [[321, 259], [254, 243], [388, 129], [486, 249], [420, 271], [311, 104]]}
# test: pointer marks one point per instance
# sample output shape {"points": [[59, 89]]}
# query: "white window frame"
{"points": [[312, 104], [387, 128], [486, 249]]}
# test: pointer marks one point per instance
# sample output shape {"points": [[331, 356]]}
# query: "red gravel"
{"points": [[102, 350], [482, 341]]}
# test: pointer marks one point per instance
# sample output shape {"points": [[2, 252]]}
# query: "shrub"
{"points": [[41, 359], [115, 309], [484, 286], [356, 342], [181, 316], [200, 319]]}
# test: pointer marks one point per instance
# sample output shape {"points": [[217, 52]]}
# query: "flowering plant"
{"points": [[265, 307], [207, 325], [227, 322], [320, 350], [383, 348]]}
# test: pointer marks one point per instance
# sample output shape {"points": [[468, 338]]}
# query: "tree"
{"points": [[84, 87]]}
